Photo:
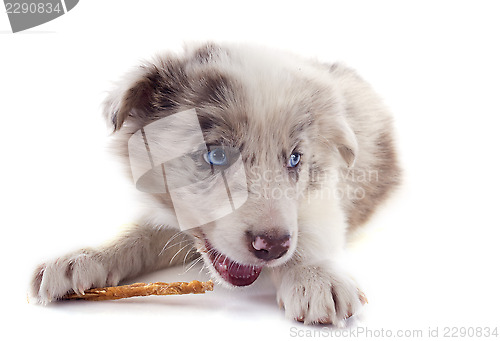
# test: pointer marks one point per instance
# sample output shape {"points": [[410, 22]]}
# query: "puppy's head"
{"points": [[265, 130]]}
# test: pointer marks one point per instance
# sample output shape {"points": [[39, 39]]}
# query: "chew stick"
{"points": [[142, 289]]}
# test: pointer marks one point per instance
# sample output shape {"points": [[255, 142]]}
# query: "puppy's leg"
{"points": [[312, 286], [141, 249]]}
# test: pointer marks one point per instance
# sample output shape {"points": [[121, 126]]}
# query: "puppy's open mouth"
{"points": [[231, 271]]}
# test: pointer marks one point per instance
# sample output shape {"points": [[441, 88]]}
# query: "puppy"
{"points": [[247, 158]]}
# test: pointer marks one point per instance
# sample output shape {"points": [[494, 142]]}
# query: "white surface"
{"points": [[428, 260]]}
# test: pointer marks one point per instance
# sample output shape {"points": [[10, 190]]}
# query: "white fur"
{"points": [[344, 127]]}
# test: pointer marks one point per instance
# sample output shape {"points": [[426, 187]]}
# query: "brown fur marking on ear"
{"points": [[347, 154], [150, 88], [377, 191], [135, 99]]}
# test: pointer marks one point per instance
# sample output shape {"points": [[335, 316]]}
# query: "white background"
{"points": [[428, 259]]}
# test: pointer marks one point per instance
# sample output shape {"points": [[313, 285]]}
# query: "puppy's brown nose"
{"points": [[268, 247]]}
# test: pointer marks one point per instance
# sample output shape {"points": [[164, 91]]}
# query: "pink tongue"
{"points": [[235, 273]]}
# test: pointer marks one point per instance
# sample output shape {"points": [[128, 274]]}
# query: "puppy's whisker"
{"points": [[175, 255], [174, 245], [193, 263], [171, 239], [187, 254]]}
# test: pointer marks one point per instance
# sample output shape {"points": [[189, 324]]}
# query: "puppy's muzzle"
{"points": [[268, 247]]}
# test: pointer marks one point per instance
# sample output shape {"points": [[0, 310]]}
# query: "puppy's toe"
{"points": [[316, 295], [85, 272], [77, 273]]}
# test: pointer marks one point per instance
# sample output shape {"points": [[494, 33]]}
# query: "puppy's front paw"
{"points": [[317, 294], [77, 272]]}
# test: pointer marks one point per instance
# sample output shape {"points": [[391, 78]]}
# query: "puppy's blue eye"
{"points": [[216, 157], [294, 160]]}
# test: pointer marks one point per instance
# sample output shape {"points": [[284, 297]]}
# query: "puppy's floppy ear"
{"points": [[156, 85], [131, 96], [334, 127], [344, 137], [346, 142]]}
